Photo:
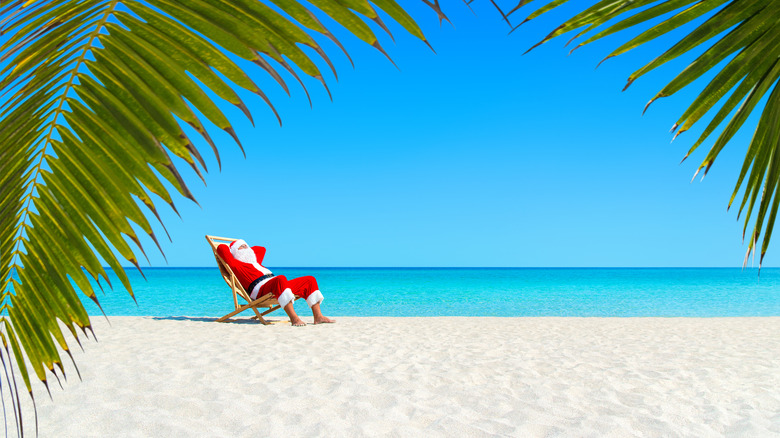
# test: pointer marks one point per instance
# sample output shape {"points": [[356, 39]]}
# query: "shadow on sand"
{"points": [[211, 319]]}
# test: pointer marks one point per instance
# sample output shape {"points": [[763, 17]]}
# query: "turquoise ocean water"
{"points": [[701, 292]]}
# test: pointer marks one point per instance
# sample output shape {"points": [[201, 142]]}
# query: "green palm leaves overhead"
{"points": [[94, 97], [737, 41]]}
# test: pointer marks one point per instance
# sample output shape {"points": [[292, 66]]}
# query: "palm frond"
{"points": [[740, 40], [91, 98]]}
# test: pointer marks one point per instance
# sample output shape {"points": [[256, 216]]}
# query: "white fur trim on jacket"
{"points": [[286, 297], [314, 298]]}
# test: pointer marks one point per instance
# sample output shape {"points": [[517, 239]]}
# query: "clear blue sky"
{"points": [[474, 156]]}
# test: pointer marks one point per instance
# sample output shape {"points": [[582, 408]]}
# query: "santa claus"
{"points": [[258, 281]]}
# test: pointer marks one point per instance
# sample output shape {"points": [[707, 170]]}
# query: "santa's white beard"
{"points": [[248, 256], [245, 255]]}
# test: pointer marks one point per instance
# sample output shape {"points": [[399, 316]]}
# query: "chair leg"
{"points": [[263, 320], [237, 311], [225, 318], [257, 314], [270, 310], [253, 305]]}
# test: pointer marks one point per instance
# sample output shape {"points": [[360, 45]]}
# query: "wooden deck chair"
{"points": [[266, 301]]}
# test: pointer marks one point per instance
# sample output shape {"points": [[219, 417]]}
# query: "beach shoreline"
{"points": [[404, 376]]}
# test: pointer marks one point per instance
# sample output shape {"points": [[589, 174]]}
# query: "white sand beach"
{"points": [[524, 377]]}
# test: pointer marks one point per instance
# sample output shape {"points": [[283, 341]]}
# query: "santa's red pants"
{"points": [[286, 290]]}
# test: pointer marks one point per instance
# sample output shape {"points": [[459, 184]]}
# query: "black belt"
{"points": [[257, 280]]}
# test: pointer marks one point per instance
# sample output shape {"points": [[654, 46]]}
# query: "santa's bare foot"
{"points": [[324, 320], [297, 322]]}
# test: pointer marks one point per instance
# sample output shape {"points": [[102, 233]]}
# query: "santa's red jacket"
{"points": [[245, 272]]}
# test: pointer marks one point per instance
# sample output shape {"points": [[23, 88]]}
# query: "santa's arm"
{"points": [[259, 253], [224, 252]]}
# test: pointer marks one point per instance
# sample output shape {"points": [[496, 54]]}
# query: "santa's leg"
{"points": [[280, 288], [306, 288]]}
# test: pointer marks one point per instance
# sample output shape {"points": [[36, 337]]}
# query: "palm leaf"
{"points": [[739, 42], [93, 92]]}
